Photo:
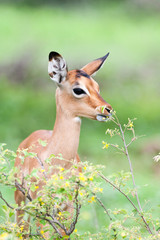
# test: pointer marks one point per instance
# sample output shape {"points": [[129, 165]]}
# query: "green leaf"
{"points": [[5, 208], [34, 173], [33, 188], [42, 143], [47, 160], [65, 237], [103, 108], [158, 229], [32, 154], [11, 214], [134, 212], [43, 222], [61, 190], [51, 156], [70, 197], [123, 211], [2, 169]]}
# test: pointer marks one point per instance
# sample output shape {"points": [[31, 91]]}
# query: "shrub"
{"points": [[78, 186]]}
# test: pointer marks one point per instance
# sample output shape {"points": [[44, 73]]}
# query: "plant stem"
{"points": [[102, 205], [139, 212], [130, 165], [8, 205], [131, 170], [77, 207]]}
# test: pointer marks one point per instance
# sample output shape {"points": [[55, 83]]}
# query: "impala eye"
{"points": [[79, 91]]}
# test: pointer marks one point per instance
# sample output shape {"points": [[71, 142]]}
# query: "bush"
{"points": [[78, 186]]}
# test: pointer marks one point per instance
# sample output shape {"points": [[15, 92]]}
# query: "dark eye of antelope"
{"points": [[78, 92]]}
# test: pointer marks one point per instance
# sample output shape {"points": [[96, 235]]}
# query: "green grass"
{"points": [[129, 81]]}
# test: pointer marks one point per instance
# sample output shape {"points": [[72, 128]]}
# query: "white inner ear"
{"points": [[57, 70]]}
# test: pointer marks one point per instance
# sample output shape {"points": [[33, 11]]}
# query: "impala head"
{"points": [[78, 93]]}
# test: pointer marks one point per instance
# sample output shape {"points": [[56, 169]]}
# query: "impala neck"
{"points": [[66, 132]]}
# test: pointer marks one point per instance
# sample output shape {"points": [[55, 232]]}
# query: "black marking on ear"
{"points": [[102, 60], [80, 73], [60, 78], [53, 55]]}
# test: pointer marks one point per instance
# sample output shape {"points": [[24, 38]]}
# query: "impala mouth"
{"points": [[103, 118]]}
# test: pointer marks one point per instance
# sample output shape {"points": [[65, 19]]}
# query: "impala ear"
{"points": [[57, 67], [95, 65]]}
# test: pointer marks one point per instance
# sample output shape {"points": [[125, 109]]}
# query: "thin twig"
{"points": [[42, 165], [23, 190], [36, 235], [102, 205], [53, 225], [133, 139], [8, 205], [100, 202], [118, 148], [39, 215], [57, 222], [78, 206], [131, 168], [129, 160], [113, 185]]}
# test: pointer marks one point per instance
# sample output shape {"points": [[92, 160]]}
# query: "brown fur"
{"points": [[64, 139]]}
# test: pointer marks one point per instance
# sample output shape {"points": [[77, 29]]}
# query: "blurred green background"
{"points": [[130, 81]]}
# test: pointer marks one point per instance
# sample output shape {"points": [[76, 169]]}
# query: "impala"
{"points": [[77, 96]]}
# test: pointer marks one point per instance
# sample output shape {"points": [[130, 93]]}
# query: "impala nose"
{"points": [[108, 110], [105, 113]]}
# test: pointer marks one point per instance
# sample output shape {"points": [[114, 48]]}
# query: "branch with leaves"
{"points": [[66, 189], [58, 201], [121, 133]]}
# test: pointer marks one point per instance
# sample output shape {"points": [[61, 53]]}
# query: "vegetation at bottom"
{"points": [[55, 195]]}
